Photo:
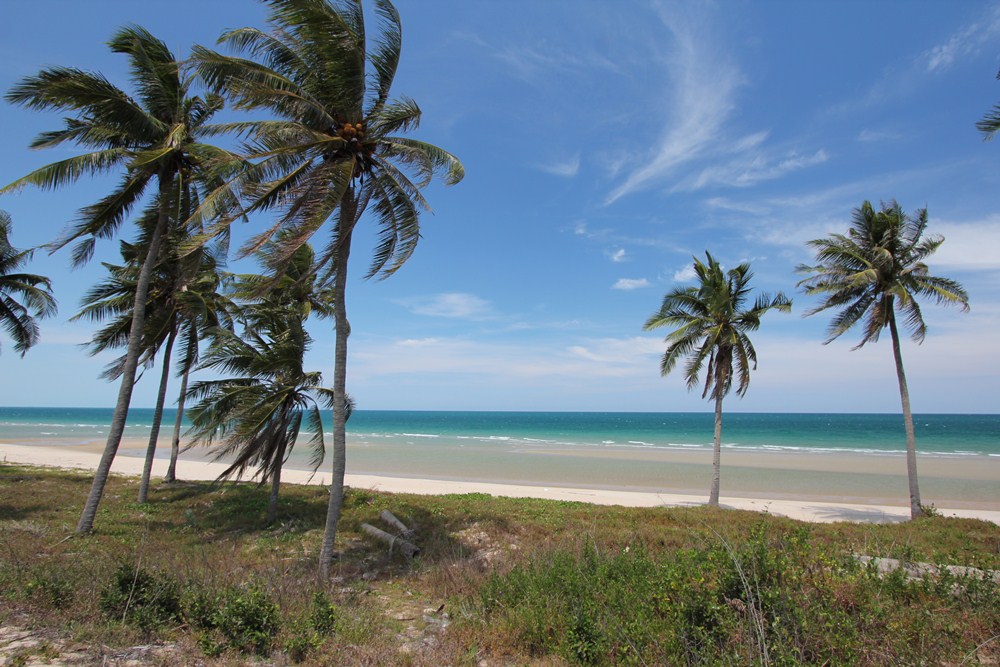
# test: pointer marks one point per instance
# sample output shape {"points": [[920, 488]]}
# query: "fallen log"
{"points": [[400, 527], [408, 549]]}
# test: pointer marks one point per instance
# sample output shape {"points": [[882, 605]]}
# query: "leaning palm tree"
{"points": [[869, 274], [331, 152], [150, 139], [711, 325], [19, 319], [989, 124], [256, 414]]}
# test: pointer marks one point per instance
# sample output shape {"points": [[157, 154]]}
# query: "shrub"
{"points": [[140, 597]]}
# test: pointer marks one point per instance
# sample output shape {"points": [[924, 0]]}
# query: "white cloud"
{"points": [[618, 255], [973, 246], [455, 305], [566, 168], [686, 274], [630, 284]]}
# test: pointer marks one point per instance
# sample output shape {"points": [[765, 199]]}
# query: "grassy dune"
{"points": [[499, 581]]}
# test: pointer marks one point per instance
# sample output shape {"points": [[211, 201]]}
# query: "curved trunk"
{"points": [[154, 432], [175, 441], [713, 496], [133, 350], [911, 439], [348, 218]]}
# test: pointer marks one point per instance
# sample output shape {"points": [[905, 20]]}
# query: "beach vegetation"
{"points": [[869, 274], [331, 151], [24, 297], [710, 324], [154, 140], [500, 580]]}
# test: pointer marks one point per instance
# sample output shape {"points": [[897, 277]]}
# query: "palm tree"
{"points": [[17, 318], [257, 414], [153, 138], [331, 152], [710, 324], [183, 298], [990, 123], [869, 274]]}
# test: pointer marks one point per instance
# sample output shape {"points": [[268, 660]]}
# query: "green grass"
{"points": [[522, 581]]}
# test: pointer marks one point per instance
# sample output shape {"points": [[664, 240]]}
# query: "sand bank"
{"points": [[803, 509]]}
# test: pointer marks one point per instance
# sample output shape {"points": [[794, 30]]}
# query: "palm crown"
{"points": [[333, 144], [711, 325], [876, 268], [17, 318], [152, 137]]}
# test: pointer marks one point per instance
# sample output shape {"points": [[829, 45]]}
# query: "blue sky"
{"points": [[605, 144]]}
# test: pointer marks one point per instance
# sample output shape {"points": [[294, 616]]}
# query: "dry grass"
{"points": [[389, 611]]}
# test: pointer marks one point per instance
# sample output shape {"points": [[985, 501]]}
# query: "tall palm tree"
{"points": [[989, 124], [257, 414], [19, 319], [151, 139], [331, 152], [869, 274], [711, 325]]}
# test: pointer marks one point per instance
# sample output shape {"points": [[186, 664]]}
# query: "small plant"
{"points": [[930, 510], [140, 597], [323, 617], [50, 589]]}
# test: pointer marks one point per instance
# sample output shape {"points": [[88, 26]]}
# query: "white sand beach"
{"points": [[800, 509]]}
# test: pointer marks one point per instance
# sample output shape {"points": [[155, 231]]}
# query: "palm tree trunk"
{"points": [[133, 350], [154, 432], [272, 501], [911, 439], [713, 496], [175, 441], [347, 221]]}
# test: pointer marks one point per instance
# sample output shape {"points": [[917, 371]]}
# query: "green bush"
{"points": [[142, 598], [245, 619]]}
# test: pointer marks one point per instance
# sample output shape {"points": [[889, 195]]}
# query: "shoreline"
{"points": [[813, 507]]}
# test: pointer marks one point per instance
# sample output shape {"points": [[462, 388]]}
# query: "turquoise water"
{"points": [[876, 434]]}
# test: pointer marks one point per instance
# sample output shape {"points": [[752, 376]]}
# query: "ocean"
{"points": [[946, 435]]}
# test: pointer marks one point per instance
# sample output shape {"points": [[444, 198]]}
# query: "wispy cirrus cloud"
{"points": [[703, 89], [752, 168], [967, 41], [565, 168]]}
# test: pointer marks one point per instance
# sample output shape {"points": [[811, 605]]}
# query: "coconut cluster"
{"points": [[349, 131]]}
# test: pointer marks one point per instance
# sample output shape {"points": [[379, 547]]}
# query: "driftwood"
{"points": [[408, 549], [400, 527]]}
